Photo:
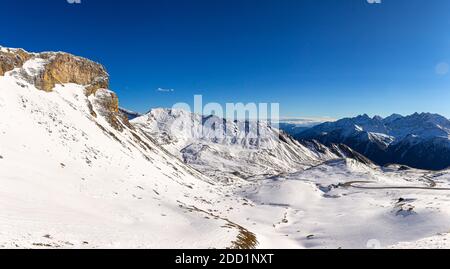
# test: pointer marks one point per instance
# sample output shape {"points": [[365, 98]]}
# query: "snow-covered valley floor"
{"points": [[317, 209]]}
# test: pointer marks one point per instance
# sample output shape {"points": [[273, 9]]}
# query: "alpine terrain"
{"points": [[77, 171], [419, 140]]}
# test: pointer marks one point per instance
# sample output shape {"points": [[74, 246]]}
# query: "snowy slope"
{"points": [[332, 203], [324, 203], [69, 179], [320, 208]]}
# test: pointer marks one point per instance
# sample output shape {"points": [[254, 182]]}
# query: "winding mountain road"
{"points": [[356, 185]]}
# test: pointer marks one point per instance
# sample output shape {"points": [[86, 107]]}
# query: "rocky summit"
{"points": [[56, 68], [47, 69]]}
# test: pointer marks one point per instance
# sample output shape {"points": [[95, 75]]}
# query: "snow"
{"points": [[34, 66], [312, 207], [439, 241], [418, 140], [6, 50], [66, 183], [70, 180], [233, 149], [396, 127], [316, 212]]}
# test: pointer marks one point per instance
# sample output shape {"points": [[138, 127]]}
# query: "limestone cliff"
{"points": [[59, 68], [12, 58], [67, 68], [45, 70], [107, 103]]}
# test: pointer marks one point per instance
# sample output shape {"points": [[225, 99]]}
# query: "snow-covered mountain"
{"points": [[231, 149], [418, 140], [75, 173]]}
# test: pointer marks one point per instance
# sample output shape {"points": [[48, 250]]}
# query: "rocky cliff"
{"points": [[12, 58], [66, 68], [46, 70], [57, 68]]}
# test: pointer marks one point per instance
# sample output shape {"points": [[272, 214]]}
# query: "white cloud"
{"points": [[165, 90]]}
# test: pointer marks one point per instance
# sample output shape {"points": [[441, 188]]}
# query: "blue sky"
{"points": [[331, 58]]}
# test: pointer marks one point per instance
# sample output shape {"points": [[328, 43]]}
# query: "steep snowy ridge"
{"points": [[418, 140], [75, 173]]}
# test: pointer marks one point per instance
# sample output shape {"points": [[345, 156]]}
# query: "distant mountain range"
{"points": [[418, 140]]}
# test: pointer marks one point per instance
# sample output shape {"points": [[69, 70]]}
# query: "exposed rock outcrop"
{"points": [[107, 103], [59, 68], [12, 58], [45, 70], [67, 68]]}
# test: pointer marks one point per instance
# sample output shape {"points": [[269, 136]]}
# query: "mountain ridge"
{"points": [[420, 140]]}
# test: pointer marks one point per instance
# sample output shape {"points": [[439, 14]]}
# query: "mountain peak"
{"points": [[377, 118], [408, 140], [392, 118], [363, 116], [431, 118]]}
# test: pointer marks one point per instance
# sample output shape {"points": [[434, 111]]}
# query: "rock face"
{"points": [[58, 68], [10, 59], [108, 102], [66, 68], [47, 69]]}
